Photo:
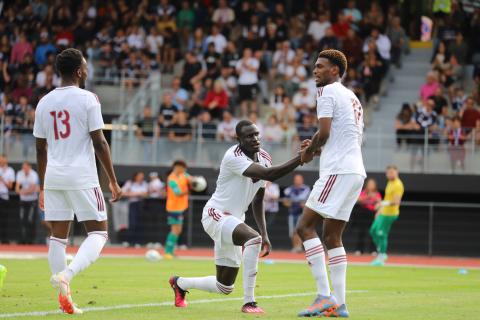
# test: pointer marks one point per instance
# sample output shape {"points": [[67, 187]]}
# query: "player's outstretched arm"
{"points": [[318, 140], [257, 171], [41, 146], [102, 150], [259, 215]]}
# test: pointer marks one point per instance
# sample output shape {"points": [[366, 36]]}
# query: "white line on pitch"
{"points": [[158, 304]]}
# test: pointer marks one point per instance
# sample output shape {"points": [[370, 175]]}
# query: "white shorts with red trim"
{"points": [[220, 226], [334, 196], [87, 204]]}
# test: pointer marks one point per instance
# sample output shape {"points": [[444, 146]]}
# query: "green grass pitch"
{"points": [[387, 293]]}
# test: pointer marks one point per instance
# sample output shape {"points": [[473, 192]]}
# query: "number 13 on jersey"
{"points": [[357, 111], [64, 118]]}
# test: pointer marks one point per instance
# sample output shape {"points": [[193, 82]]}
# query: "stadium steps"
{"points": [[111, 98]]}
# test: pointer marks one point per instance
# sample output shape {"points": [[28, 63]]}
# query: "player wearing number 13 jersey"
{"points": [[68, 130], [333, 196]]}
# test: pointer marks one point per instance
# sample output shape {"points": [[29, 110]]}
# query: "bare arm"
{"points": [[318, 140], [258, 171], [259, 215], [41, 146], [102, 150]]}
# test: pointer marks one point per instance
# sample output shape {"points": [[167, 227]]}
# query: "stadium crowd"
{"points": [[447, 113], [232, 53]]}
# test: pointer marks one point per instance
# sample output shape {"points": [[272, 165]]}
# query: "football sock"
{"points": [[209, 284], [337, 261], [56, 254], [170, 243], [315, 255], [88, 252], [251, 251]]}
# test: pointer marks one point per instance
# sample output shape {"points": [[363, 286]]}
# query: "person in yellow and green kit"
{"points": [[178, 186], [388, 212]]}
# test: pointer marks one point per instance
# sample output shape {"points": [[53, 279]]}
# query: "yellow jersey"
{"points": [[394, 188]]}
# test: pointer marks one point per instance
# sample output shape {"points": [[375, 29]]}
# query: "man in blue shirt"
{"points": [[297, 195], [43, 49]]}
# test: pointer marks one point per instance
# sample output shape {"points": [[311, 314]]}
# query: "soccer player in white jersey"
{"points": [[68, 130], [243, 172], [341, 179]]}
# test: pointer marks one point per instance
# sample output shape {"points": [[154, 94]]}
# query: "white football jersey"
{"points": [[342, 154], [234, 191], [65, 117]]}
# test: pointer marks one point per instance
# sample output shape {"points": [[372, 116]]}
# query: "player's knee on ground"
{"points": [[224, 289]]}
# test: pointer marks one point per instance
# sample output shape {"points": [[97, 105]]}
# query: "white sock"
{"points": [[56, 254], [88, 252], [337, 261], [315, 255], [251, 250], [209, 284]]}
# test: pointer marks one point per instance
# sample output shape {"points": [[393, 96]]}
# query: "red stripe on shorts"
{"points": [[325, 187], [325, 196]]}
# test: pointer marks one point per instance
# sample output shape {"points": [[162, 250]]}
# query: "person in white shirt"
{"points": [[223, 15], [244, 170], [7, 178], [247, 69], [68, 130], [156, 188], [135, 190], [218, 39], [27, 187], [282, 58], [270, 202], [340, 117], [317, 28], [382, 41], [226, 128]]}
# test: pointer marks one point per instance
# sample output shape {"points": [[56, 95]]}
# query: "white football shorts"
{"points": [[334, 196], [87, 204], [220, 226]]}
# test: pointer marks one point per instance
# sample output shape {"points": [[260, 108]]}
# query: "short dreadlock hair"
{"points": [[68, 61], [335, 57]]}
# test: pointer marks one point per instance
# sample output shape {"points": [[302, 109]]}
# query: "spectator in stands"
{"points": [[212, 61], [273, 131], [288, 113], [383, 45], [270, 202], [282, 57], [207, 128], [440, 57], [365, 211], [196, 42], [7, 178], [430, 86], [226, 128], [352, 48], [154, 44], [371, 72], [427, 118], [180, 130], [21, 48], [353, 15], [185, 20], [303, 102], [396, 34], [167, 110], [217, 38], [146, 130], [229, 83], [307, 129], [459, 48], [456, 144], [296, 196], [156, 188], [458, 99], [247, 69], [193, 71], [171, 48], [195, 103], [405, 125], [317, 28], [276, 99], [107, 62], [180, 95], [353, 81], [27, 187], [440, 101], [230, 56], [135, 190], [470, 115], [223, 16], [295, 74], [341, 27], [43, 48], [216, 101], [329, 41], [373, 17]]}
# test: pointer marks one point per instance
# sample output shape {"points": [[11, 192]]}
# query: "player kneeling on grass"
{"points": [[68, 130], [244, 170]]}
